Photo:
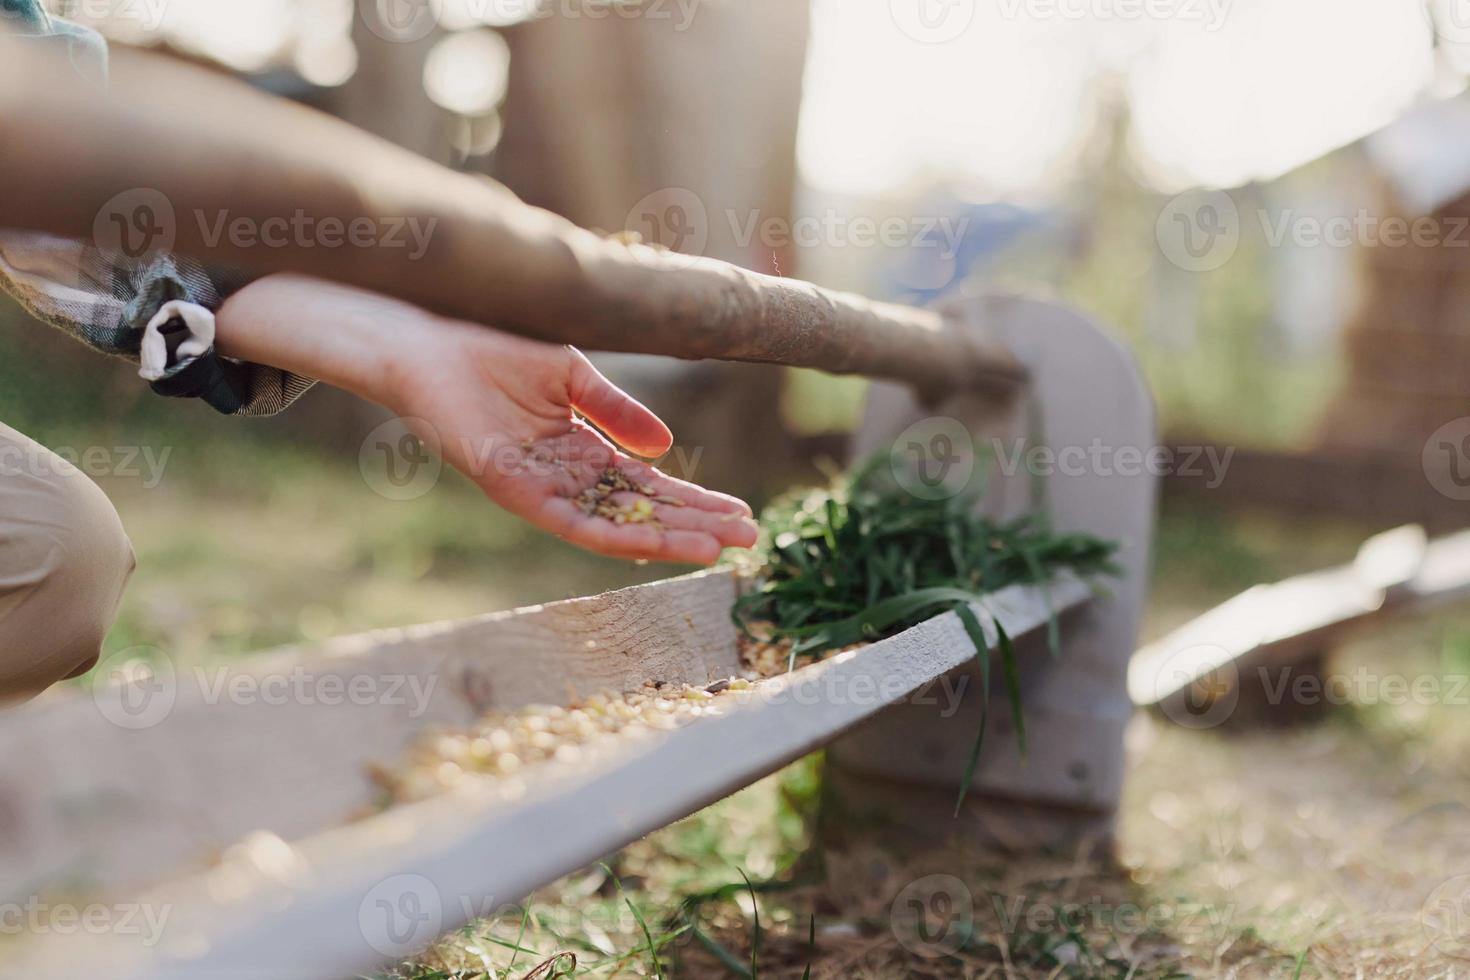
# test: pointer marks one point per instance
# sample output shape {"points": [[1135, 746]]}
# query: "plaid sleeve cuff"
{"points": [[118, 306], [171, 315]]}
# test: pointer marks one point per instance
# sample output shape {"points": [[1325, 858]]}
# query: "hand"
{"points": [[501, 409]]}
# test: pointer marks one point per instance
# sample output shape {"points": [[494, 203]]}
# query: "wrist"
{"points": [[347, 338]]}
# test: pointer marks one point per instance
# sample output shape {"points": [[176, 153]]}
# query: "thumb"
{"points": [[626, 421]]}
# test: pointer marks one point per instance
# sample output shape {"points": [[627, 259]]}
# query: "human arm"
{"points": [[506, 411]]}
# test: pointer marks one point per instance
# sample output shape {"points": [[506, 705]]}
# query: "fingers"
{"points": [[732, 530], [691, 494], [626, 420], [633, 541]]}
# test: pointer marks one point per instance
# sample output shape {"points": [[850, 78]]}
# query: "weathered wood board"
{"points": [[1395, 573], [351, 897], [103, 790], [1079, 438]]}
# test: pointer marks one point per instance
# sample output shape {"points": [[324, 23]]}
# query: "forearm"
{"points": [[348, 338]]}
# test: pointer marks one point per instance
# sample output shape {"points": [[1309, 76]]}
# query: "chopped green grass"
{"points": [[864, 559]]}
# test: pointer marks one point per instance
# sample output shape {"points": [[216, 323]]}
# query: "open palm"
{"points": [[509, 413]]}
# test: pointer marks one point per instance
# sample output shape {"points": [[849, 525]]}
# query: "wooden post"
{"points": [[205, 148], [1096, 432]]}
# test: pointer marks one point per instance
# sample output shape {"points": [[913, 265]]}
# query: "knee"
{"points": [[64, 562]]}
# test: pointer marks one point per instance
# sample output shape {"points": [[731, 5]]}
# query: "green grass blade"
{"points": [[755, 939], [1011, 670], [715, 948], [658, 967], [516, 949], [811, 943], [982, 657]]}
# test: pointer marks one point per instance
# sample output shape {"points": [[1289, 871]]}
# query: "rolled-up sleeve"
{"points": [[157, 311]]}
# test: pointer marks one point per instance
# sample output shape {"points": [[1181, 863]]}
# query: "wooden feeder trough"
{"points": [[245, 817]]}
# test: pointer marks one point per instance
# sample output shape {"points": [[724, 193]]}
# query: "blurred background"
{"points": [[1269, 200], [1217, 179]]}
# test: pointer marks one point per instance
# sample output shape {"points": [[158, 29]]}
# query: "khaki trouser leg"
{"points": [[64, 560]]}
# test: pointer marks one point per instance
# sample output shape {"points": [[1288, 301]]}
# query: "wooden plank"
{"points": [[1395, 573], [330, 906], [1097, 419], [93, 796]]}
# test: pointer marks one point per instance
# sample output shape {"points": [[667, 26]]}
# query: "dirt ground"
{"points": [[1334, 846]]}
